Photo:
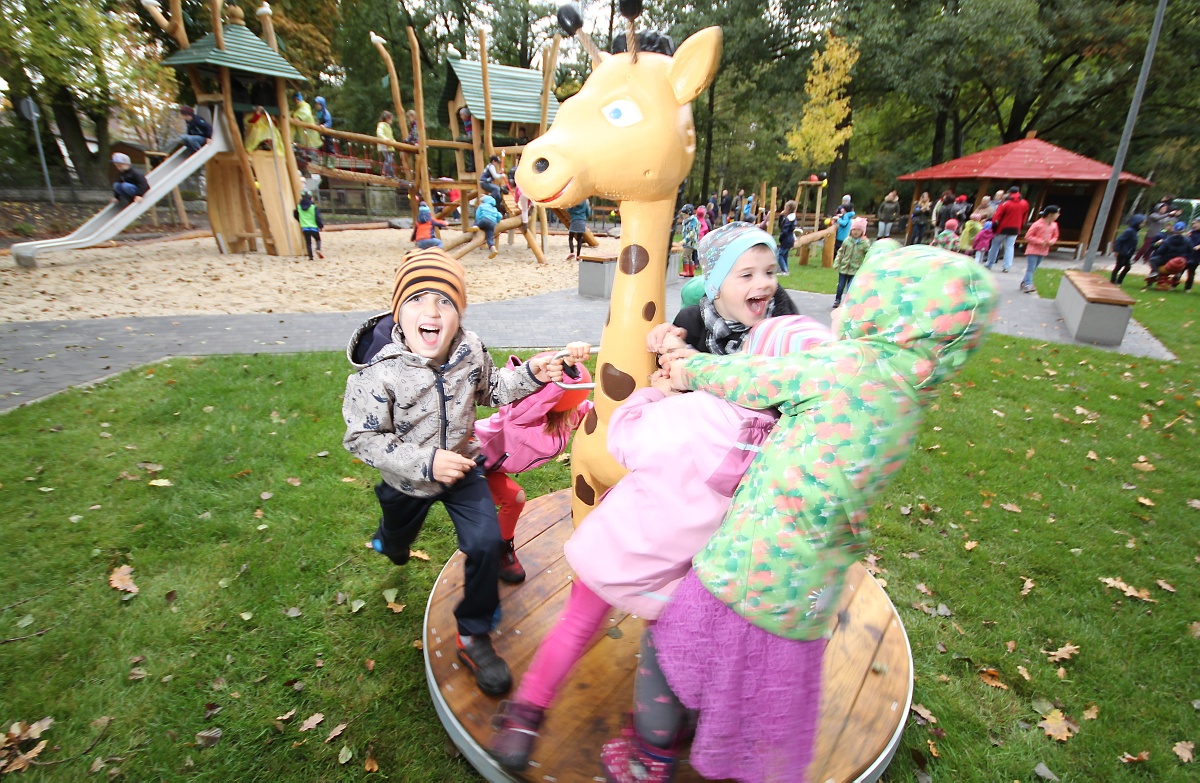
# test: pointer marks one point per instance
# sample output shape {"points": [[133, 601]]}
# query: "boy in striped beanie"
{"points": [[410, 412]]}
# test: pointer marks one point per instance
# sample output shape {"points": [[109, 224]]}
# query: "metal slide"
{"points": [[110, 221]]}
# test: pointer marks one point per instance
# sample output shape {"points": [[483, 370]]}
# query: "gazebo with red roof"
{"points": [[1059, 176]]}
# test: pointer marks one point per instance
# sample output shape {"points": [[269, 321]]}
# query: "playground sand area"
{"points": [[189, 277]]}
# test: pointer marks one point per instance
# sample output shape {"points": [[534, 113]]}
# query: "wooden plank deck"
{"points": [[867, 680]]}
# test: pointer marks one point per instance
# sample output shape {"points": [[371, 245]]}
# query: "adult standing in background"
{"points": [[887, 213], [986, 209], [922, 216], [726, 206], [1157, 222], [1007, 222], [944, 210]]}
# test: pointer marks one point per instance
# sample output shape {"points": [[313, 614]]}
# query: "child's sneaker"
{"points": [[491, 672], [320, 254], [628, 759], [492, 254], [377, 545], [511, 570], [516, 726]]}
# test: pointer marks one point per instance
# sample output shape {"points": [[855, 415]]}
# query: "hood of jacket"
{"points": [[487, 201], [305, 201], [926, 309], [361, 353]]}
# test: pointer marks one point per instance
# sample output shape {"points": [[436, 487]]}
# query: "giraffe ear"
{"points": [[695, 64]]}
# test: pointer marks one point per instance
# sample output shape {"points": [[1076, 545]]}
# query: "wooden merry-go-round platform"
{"points": [[867, 687]]}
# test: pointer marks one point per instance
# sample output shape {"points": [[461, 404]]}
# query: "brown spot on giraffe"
{"points": [[590, 421], [584, 491], [617, 385], [634, 258], [649, 310]]}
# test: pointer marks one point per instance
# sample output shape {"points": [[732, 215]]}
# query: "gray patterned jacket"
{"points": [[400, 407]]}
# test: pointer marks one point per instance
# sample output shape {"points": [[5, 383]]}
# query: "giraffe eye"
{"points": [[622, 113]]}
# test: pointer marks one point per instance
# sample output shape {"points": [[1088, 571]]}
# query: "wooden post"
{"points": [[771, 214], [455, 132], [908, 223], [414, 48], [544, 221], [828, 250], [1114, 217], [1090, 220], [179, 208], [218, 30], [762, 200], [487, 96], [817, 206], [239, 148], [549, 65], [265, 16]]}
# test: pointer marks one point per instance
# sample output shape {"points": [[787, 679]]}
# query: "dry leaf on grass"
{"points": [[1126, 758], [312, 721], [357, 604], [1011, 507], [1058, 726], [1132, 592], [1165, 585], [345, 754], [1029, 585], [122, 579], [1093, 455], [396, 608], [287, 715], [992, 677], [923, 713], [921, 588], [1043, 772], [371, 764], [337, 731], [1195, 629], [293, 611], [1063, 653], [160, 483], [970, 545], [1184, 751], [295, 482], [1021, 670], [1194, 503], [933, 751], [418, 554], [390, 594], [1145, 501], [419, 645], [1091, 713], [208, 738], [370, 664]]}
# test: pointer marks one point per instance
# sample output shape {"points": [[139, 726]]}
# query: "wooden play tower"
{"points": [[251, 193]]}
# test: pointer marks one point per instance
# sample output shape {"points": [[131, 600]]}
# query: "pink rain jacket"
{"points": [[638, 544], [514, 438]]}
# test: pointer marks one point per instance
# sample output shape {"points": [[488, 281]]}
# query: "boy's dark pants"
{"points": [[469, 503], [1121, 268]]}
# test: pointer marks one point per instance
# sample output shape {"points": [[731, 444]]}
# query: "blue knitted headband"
{"points": [[720, 250]]}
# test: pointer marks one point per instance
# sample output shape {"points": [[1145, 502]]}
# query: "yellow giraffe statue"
{"points": [[627, 135]]}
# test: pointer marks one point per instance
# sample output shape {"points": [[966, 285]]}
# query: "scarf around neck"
{"points": [[723, 335]]}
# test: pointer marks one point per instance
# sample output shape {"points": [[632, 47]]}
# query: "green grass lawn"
{"points": [[1031, 459]]}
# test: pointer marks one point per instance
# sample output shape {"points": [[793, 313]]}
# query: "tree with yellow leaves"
{"points": [[823, 128]]}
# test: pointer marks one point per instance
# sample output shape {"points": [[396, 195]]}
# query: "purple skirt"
{"points": [[759, 695]]}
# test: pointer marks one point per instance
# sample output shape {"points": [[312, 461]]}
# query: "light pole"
{"points": [[1110, 189], [30, 110]]}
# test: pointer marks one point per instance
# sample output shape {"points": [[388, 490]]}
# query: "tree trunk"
{"points": [[526, 44], [90, 171], [837, 178], [708, 139], [939, 137], [956, 134], [1015, 130], [460, 14]]}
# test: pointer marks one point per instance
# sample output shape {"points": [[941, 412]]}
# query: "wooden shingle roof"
{"points": [[1026, 160], [244, 51], [516, 92]]}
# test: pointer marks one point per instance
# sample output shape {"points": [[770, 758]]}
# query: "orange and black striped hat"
{"points": [[432, 269]]}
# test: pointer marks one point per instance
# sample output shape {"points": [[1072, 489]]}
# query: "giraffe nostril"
{"points": [[540, 165]]}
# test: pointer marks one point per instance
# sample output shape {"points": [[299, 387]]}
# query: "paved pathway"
{"points": [[39, 358]]}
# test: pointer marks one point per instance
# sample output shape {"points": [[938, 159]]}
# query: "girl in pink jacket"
{"points": [[633, 550], [522, 436], [1039, 238]]}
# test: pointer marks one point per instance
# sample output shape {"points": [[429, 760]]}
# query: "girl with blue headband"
{"points": [[740, 291]]}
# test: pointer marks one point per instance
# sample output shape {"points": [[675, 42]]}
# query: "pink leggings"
{"points": [[563, 646]]}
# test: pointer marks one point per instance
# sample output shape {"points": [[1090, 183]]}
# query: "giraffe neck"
{"points": [[638, 302]]}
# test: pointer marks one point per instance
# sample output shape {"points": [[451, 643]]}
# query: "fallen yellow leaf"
{"points": [[122, 579]]}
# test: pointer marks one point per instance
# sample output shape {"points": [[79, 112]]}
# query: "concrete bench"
{"points": [[1095, 310], [596, 274]]}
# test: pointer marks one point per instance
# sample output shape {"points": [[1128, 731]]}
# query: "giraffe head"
{"points": [[627, 135]]}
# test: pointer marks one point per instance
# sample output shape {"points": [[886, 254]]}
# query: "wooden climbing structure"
{"points": [[867, 688]]}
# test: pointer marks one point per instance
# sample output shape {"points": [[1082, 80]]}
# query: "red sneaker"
{"points": [[511, 570]]}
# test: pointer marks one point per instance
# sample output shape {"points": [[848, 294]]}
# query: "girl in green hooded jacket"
{"points": [[743, 638]]}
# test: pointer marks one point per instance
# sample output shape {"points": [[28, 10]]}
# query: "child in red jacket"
{"points": [[526, 435]]}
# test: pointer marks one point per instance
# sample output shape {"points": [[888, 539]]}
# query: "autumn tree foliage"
{"points": [[825, 125]]}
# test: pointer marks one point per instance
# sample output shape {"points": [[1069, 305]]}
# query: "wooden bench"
{"points": [[1094, 310], [596, 274]]}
